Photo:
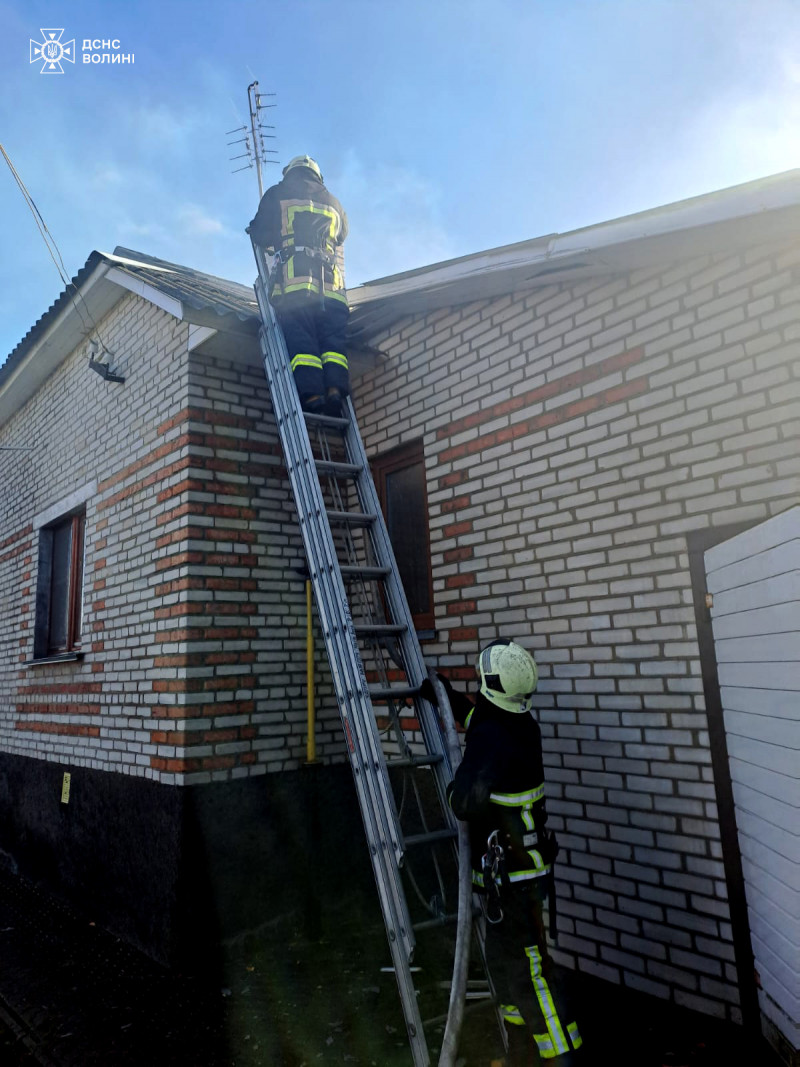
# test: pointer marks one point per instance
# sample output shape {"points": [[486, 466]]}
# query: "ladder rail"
{"points": [[339, 632], [399, 610], [386, 624], [373, 789], [330, 592]]}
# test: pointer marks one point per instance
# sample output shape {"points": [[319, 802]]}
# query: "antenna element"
{"points": [[255, 150]]}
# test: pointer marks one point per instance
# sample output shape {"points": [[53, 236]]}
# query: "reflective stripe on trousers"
{"points": [[555, 1042]]}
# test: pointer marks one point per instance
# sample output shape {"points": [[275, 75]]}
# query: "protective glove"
{"points": [[428, 692]]}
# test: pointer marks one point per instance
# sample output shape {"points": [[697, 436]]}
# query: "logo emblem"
{"points": [[50, 51]]}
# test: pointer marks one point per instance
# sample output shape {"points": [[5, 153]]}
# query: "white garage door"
{"points": [[754, 580]]}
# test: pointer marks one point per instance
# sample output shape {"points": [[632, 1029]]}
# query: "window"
{"points": [[59, 590], [400, 480]]}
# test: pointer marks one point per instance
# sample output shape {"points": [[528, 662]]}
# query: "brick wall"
{"points": [[81, 429], [194, 621], [573, 436], [232, 620]]}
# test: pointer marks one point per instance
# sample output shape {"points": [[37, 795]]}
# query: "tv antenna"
{"points": [[255, 150]]}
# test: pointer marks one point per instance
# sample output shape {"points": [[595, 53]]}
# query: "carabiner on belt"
{"points": [[493, 870]]}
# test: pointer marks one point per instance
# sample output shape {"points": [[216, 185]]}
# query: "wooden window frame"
{"points": [[409, 455], [43, 647]]}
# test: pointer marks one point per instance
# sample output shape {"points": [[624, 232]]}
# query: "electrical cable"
{"points": [[54, 251]]}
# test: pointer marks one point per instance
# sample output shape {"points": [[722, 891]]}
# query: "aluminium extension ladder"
{"points": [[375, 659]]}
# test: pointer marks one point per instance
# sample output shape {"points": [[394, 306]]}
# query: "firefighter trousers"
{"points": [[538, 1016], [315, 338]]}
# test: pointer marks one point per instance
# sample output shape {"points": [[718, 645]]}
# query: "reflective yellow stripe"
{"points": [[466, 721], [335, 357], [560, 1043], [304, 360], [514, 876], [333, 294], [311, 287], [545, 1046], [298, 207], [575, 1037], [309, 282], [518, 800], [535, 872], [293, 208], [512, 1014], [293, 288]]}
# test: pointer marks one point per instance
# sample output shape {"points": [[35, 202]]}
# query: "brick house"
{"points": [[566, 426]]}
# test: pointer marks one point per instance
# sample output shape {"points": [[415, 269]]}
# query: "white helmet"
{"points": [[508, 675], [303, 161]]}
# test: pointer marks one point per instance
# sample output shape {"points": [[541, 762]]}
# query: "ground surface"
{"points": [[71, 995]]}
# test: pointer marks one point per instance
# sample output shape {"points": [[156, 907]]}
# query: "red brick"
{"points": [[456, 504], [461, 607], [458, 581], [559, 386], [217, 763], [230, 681], [71, 728], [457, 528], [626, 391], [463, 633], [454, 478]]}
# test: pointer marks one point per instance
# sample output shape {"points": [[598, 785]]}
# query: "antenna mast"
{"points": [[255, 151]]}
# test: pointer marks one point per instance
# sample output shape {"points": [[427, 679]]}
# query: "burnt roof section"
{"points": [[204, 292]]}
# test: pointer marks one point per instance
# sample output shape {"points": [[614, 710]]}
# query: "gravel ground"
{"points": [[13, 1050], [279, 999]]}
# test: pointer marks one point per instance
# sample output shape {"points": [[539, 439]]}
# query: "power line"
{"points": [[55, 255]]}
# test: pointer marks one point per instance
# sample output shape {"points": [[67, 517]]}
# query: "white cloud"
{"points": [[106, 177], [164, 127], [394, 218], [737, 137], [195, 222]]}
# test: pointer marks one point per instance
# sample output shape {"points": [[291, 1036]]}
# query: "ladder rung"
{"points": [[373, 629], [355, 571], [415, 761], [342, 470], [478, 1004], [476, 987], [430, 837], [389, 692], [429, 924], [313, 419], [350, 518]]}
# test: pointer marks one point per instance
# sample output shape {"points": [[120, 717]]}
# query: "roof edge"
{"points": [[726, 205]]}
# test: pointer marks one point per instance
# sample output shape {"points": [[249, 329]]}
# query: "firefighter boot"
{"points": [[333, 402], [314, 405]]}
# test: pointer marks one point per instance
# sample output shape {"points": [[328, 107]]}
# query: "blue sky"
{"points": [[445, 126]]}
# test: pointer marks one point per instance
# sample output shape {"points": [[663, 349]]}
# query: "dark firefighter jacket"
{"points": [[499, 785], [300, 213]]}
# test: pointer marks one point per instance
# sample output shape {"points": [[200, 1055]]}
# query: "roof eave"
{"points": [[67, 329], [96, 289], [760, 211]]}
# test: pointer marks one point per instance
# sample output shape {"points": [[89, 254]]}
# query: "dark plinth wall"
{"points": [[173, 870]]}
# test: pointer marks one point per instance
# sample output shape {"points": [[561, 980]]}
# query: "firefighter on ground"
{"points": [[499, 790], [303, 226]]}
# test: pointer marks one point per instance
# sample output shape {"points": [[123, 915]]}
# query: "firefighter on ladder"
{"points": [[303, 227], [499, 790]]}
